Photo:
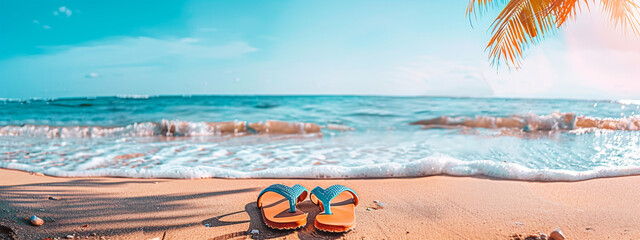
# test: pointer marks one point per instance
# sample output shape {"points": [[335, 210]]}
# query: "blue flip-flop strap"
{"points": [[290, 193], [326, 195]]}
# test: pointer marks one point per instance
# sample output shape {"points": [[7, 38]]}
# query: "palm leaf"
{"points": [[565, 9], [520, 23], [624, 13], [482, 6], [524, 22]]}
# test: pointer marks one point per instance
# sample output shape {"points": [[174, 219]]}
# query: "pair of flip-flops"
{"points": [[278, 205]]}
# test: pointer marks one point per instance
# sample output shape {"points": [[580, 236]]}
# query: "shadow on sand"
{"points": [[76, 210], [6, 233], [256, 223]]}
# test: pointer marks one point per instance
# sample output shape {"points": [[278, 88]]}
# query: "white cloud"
{"points": [[92, 75], [144, 50], [427, 75], [125, 65], [46, 27], [588, 59], [603, 58], [189, 40], [63, 10]]}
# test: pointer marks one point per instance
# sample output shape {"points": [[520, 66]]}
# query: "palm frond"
{"points": [[520, 23], [524, 22], [481, 6], [564, 10], [625, 13]]}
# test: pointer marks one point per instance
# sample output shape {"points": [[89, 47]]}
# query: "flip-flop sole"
{"points": [[276, 215], [343, 216]]}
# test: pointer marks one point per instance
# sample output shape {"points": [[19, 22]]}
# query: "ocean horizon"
{"points": [[146, 96]]}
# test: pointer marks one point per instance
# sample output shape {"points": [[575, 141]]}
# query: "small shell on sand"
{"points": [[36, 221], [556, 235]]}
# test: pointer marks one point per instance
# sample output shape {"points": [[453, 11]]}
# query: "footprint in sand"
{"points": [[6, 233]]}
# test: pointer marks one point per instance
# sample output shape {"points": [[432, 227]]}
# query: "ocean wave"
{"points": [[373, 113], [72, 105], [11, 100], [629, 102], [430, 166], [75, 139], [173, 128], [27, 100], [133, 96], [143, 129]]}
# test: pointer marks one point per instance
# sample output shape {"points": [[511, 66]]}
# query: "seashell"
{"points": [[36, 221], [556, 235]]}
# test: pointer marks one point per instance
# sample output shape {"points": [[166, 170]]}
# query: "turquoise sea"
{"points": [[55, 137]]}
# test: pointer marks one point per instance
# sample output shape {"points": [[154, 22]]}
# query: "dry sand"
{"points": [[439, 207]]}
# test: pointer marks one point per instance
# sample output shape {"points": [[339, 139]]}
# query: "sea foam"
{"points": [[430, 166]]}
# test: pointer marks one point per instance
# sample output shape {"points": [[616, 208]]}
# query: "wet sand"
{"points": [[439, 207]]}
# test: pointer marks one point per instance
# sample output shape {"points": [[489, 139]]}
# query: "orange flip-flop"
{"points": [[338, 203], [278, 205]]}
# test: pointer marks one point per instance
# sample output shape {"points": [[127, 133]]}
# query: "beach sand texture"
{"points": [[437, 207]]}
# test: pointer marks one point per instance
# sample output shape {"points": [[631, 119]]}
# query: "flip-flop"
{"points": [[338, 203], [278, 205]]}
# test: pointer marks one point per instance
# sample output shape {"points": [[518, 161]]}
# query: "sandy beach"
{"points": [[444, 120], [438, 207]]}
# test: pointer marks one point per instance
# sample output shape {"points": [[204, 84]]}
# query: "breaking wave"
{"points": [[143, 129]]}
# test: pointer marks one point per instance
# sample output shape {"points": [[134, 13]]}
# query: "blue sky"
{"points": [[59, 48]]}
